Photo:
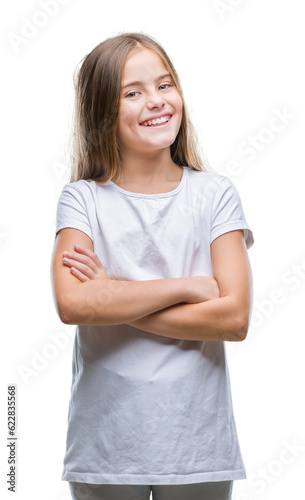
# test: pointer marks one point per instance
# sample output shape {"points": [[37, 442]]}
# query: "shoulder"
{"points": [[81, 190], [205, 177], [80, 186], [208, 183]]}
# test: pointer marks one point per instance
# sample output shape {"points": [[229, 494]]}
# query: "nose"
{"points": [[154, 100]]}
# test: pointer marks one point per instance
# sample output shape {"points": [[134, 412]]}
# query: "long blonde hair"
{"points": [[97, 83]]}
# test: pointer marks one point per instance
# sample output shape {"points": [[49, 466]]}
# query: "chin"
{"points": [[163, 143]]}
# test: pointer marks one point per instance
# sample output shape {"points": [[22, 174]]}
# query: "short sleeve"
{"points": [[227, 212], [71, 210]]}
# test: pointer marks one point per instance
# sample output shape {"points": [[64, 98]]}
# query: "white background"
{"points": [[241, 63]]}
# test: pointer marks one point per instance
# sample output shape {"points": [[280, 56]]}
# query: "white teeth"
{"points": [[156, 121]]}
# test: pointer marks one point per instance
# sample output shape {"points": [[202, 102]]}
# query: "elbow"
{"points": [[66, 318], [66, 311], [72, 311], [241, 329], [237, 323]]}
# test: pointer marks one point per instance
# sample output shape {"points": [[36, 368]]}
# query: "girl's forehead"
{"points": [[143, 60]]}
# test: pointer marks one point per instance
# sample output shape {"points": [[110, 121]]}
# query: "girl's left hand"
{"points": [[85, 264]]}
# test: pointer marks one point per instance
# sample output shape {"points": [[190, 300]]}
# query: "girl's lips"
{"points": [[159, 125]]}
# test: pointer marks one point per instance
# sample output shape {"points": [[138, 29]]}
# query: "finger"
{"points": [[79, 275], [90, 254], [82, 268], [82, 259]]}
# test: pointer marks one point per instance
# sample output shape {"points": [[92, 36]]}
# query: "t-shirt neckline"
{"points": [[151, 195]]}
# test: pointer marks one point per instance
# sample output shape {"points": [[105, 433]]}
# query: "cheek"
{"points": [[128, 115], [123, 124], [128, 126], [179, 109], [179, 104]]}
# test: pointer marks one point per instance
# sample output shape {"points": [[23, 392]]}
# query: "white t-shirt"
{"points": [[147, 409]]}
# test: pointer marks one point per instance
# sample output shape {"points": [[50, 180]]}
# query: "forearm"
{"points": [[217, 319], [113, 302]]}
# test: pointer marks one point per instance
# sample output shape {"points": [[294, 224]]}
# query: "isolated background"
{"points": [[241, 63]]}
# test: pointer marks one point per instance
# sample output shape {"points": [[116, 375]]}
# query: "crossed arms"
{"points": [[196, 308]]}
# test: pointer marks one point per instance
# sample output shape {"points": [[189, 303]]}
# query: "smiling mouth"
{"points": [[157, 122]]}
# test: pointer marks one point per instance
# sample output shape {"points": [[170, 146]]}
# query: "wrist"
{"points": [[182, 290]]}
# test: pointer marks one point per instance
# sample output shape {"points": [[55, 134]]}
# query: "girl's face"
{"points": [[150, 108]]}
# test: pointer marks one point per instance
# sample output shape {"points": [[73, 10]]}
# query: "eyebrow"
{"points": [[166, 75]]}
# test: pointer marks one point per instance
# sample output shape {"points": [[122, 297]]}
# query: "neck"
{"points": [[148, 169]]}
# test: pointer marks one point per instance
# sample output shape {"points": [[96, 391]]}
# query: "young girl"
{"points": [[150, 262]]}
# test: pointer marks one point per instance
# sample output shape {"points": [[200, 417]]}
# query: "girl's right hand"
{"points": [[201, 288]]}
